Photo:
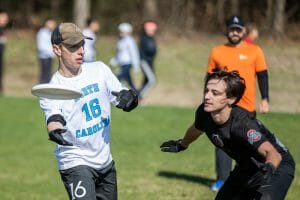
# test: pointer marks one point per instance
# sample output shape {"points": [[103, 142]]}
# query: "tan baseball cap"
{"points": [[68, 34]]}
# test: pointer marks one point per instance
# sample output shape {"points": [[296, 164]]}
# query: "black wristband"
{"points": [[57, 118]]}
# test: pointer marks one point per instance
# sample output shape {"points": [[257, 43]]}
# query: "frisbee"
{"points": [[52, 91]]}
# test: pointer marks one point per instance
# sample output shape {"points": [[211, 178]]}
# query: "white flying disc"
{"points": [[51, 91]]}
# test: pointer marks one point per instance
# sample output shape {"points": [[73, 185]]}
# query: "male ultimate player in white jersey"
{"points": [[81, 127]]}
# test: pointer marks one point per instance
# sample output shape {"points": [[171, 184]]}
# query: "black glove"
{"points": [[172, 146], [263, 176], [128, 99], [56, 136]]}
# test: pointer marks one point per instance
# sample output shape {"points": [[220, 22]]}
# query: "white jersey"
{"points": [[88, 118]]}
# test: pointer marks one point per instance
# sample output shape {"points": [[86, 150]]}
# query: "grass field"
{"points": [[28, 168], [27, 165]]}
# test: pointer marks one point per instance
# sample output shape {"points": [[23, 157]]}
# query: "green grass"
{"points": [[28, 169]]}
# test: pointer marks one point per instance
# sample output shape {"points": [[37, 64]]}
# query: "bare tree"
{"points": [[220, 12], [269, 15], [27, 13], [150, 9], [54, 7], [81, 12], [190, 15], [175, 18], [278, 17], [234, 7]]}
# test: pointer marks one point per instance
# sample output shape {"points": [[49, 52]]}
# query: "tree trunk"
{"points": [[150, 10], [220, 13], [190, 15], [81, 12], [279, 17], [234, 7], [54, 7], [27, 13], [269, 16], [174, 22], [208, 20]]}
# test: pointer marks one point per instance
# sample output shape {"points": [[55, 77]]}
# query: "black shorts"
{"points": [[85, 183], [236, 187]]}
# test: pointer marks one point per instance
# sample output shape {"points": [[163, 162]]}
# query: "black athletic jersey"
{"points": [[239, 137]]}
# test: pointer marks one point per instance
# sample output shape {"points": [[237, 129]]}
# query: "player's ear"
{"points": [[244, 31], [56, 50], [231, 101]]}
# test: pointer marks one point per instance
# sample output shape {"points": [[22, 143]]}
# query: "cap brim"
{"points": [[72, 42], [87, 38], [236, 26], [75, 41]]}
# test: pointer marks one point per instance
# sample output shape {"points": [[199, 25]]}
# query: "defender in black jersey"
{"points": [[264, 167]]}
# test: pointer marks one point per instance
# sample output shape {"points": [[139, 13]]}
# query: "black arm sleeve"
{"points": [[57, 118], [263, 84]]}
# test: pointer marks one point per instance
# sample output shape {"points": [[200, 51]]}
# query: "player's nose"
{"points": [[207, 95], [80, 50]]}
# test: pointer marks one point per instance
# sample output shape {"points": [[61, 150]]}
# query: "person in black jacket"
{"points": [[264, 167], [148, 51]]}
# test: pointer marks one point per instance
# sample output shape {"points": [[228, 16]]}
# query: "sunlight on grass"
{"points": [[28, 169]]}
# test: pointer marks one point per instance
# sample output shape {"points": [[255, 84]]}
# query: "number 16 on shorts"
{"points": [[78, 192]]}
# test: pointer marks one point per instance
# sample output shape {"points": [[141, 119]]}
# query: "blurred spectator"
{"points": [[127, 55], [44, 48], [252, 33], [148, 49], [4, 18], [92, 27]]}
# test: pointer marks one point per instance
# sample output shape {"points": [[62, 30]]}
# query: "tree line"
{"points": [[175, 16]]}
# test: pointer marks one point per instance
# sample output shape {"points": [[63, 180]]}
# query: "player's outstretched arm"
{"points": [[128, 99], [191, 135], [179, 145]]}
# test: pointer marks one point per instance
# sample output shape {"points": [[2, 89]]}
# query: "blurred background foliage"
{"points": [[275, 18]]}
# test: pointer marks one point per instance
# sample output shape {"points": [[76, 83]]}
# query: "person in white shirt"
{"points": [[92, 27], [44, 48], [81, 127], [127, 55]]}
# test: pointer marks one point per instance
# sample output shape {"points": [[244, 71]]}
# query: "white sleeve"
{"points": [[50, 107], [112, 84]]}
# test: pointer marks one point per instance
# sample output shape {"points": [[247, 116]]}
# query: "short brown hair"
{"points": [[234, 82]]}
